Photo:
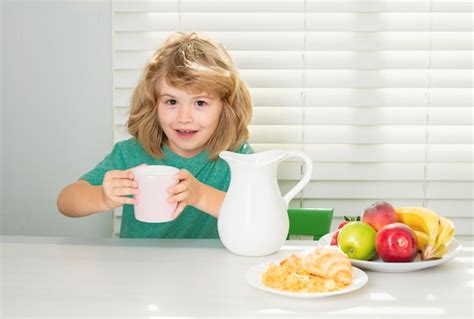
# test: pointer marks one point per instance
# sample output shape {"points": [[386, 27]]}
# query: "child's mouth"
{"points": [[186, 133]]}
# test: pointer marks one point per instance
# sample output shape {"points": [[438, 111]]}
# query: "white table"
{"points": [[67, 277]]}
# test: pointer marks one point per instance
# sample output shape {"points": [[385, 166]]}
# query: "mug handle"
{"points": [[306, 178]]}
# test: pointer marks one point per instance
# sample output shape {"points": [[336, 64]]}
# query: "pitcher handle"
{"points": [[306, 178]]}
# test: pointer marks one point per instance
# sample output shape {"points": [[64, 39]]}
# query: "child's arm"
{"points": [[83, 199], [192, 192]]}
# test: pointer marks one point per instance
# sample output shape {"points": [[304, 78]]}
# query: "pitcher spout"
{"points": [[258, 159]]}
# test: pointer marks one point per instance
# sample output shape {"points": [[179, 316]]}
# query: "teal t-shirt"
{"points": [[192, 222]]}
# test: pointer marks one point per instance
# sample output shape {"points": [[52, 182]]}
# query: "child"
{"points": [[188, 107]]}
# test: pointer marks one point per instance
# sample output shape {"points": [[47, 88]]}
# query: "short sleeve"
{"points": [[113, 161], [245, 149]]}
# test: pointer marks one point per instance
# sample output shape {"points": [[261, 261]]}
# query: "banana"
{"points": [[446, 231], [421, 240], [423, 220], [439, 252]]}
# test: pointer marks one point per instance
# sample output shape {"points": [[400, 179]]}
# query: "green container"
{"points": [[307, 222]]}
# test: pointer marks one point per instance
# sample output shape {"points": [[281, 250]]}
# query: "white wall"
{"points": [[56, 119], [1, 117]]}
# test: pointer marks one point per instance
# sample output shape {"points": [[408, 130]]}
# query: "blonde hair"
{"points": [[191, 62]]}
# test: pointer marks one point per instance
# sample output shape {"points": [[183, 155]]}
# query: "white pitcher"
{"points": [[253, 219]]}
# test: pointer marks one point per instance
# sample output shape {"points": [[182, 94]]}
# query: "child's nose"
{"points": [[185, 114]]}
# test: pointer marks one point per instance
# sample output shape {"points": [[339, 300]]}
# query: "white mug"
{"points": [[153, 184]]}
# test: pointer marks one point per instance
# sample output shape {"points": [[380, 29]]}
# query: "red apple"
{"points": [[334, 238], [379, 214], [396, 243]]}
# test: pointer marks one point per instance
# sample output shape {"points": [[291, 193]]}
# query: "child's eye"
{"points": [[201, 103], [171, 102]]}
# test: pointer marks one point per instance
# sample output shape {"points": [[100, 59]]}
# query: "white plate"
{"points": [[254, 277], [454, 248]]}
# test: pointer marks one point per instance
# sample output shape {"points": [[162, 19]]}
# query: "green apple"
{"points": [[357, 240]]}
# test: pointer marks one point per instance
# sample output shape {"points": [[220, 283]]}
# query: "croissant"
{"points": [[331, 263], [323, 269]]}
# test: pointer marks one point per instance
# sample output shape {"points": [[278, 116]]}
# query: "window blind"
{"points": [[378, 93]]}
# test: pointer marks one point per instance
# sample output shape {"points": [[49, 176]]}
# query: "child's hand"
{"points": [[186, 192], [117, 185]]}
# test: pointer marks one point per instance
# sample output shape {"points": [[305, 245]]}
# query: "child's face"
{"points": [[188, 119]]}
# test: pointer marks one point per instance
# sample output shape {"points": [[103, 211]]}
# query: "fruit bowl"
{"points": [[376, 264]]}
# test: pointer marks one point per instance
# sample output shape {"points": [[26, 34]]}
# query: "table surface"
{"points": [[66, 277]]}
